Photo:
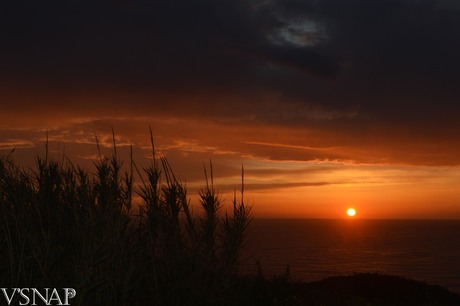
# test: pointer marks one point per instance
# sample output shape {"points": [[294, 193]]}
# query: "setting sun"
{"points": [[351, 212]]}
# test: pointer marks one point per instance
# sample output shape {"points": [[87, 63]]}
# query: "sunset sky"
{"points": [[328, 104]]}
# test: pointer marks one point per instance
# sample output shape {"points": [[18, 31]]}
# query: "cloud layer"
{"points": [[370, 82]]}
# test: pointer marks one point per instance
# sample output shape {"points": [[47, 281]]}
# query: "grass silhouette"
{"points": [[63, 226]]}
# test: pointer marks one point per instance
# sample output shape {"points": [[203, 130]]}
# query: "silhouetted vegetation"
{"points": [[63, 226]]}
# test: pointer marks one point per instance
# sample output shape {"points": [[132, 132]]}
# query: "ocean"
{"points": [[422, 250]]}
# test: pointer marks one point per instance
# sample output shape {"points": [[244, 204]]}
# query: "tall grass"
{"points": [[64, 226]]}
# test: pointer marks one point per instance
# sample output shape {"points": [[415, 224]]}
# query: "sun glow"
{"points": [[351, 212]]}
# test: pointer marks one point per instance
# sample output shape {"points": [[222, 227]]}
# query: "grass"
{"points": [[63, 226]]}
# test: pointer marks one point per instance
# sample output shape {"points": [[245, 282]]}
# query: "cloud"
{"points": [[12, 144], [377, 81], [255, 187], [162, 44]]}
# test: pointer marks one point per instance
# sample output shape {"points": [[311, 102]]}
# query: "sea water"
{"points": [[427, 251]]}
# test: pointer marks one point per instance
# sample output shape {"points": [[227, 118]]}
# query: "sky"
{"points": [[328, 104]]}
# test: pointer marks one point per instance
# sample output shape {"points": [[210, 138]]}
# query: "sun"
{"points": [[351, 212]]}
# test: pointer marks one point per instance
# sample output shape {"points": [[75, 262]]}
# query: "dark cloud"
{"points": [[363, 73], [150, 43]]}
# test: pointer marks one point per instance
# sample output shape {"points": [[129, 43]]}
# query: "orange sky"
{"points": [[278, 182], [325, 106]]}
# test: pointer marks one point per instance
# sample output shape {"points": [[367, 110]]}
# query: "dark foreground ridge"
{"points": [[359, 289]]}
